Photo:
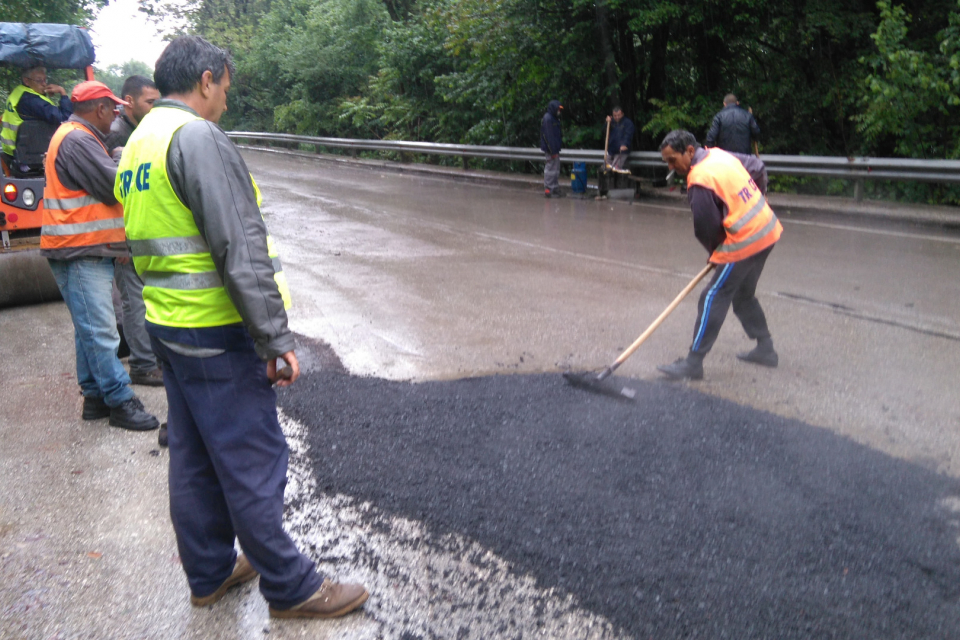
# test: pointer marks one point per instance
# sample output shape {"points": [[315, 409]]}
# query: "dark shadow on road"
{"points": [[679, 515]]}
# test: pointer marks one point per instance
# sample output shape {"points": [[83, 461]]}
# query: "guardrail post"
{"points": [[466, 162], [858, 190], [316, 148]]}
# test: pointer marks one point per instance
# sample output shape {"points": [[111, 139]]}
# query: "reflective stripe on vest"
{"points": [[750, 223], [12, 119], [72, 217], [181, 285]]}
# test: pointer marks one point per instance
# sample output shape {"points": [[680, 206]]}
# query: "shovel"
{"points": [[592, 381]]}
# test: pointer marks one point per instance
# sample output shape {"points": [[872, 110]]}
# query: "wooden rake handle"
{"points": [[606, 143], [663, 316]]}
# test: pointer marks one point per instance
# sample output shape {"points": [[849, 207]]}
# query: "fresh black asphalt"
{"points": [[677, 515]]}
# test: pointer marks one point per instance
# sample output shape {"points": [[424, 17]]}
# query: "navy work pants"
{"points": [[734, 283], [228, 470]]}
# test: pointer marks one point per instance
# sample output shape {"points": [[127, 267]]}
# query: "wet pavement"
{"points": [[843, 458]]}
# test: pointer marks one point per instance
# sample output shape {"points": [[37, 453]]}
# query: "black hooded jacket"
{"points": [[551, 135]]}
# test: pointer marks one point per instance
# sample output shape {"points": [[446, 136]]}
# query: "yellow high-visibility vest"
{"points": [[11, 119], [181, 286]]}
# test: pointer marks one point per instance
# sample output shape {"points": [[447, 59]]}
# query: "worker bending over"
{"points": [[732, 220]]}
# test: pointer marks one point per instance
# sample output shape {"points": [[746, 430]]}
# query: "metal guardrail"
{"points": [[857, 169]]}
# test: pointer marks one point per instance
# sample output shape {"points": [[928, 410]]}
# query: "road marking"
{"points": [[879, 232]]}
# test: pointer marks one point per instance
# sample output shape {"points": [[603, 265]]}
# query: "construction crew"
{"points": [[32, 99], [82, 235], [140, 93], [733, 221], [551, 142], [215, 299]]}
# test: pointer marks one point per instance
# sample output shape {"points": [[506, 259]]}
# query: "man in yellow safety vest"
{"points": [[215, 301]]}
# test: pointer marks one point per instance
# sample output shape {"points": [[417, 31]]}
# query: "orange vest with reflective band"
{"points": [[750, 223], [75, 218]]}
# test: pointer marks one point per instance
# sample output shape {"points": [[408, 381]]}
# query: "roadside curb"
{"points": [[785, 203]]}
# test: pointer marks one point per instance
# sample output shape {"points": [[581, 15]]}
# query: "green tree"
{"points": [[115, 74], [910, 106]]}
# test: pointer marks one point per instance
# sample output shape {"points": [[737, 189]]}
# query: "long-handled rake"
{"points": [[592, 381]]}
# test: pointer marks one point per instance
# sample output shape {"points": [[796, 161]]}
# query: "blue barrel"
{"points": [[578, 179]]}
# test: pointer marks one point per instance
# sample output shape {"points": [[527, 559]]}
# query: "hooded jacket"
{"points": [[551, 135]]}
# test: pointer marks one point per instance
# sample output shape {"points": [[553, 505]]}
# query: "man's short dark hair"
{"points": [[679, 140], [181, 65], [730, 99], [88, 106], [134, 86], [616, 108]]}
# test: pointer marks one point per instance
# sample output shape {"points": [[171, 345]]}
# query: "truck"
{"points": [[25, 276]]}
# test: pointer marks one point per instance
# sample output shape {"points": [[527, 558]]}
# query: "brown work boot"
{"points": [[331, 600], [242, 572]]}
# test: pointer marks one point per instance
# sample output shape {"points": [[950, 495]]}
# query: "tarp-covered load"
{"points": [[56, 46]]}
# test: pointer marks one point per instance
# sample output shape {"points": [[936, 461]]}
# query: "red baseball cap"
{"points": [[91, 90]]}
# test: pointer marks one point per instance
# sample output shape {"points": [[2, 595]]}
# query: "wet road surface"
{"points": [[815, 500]]}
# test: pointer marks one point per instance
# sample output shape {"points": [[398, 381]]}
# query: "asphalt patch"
{"points": [[677, 515]]}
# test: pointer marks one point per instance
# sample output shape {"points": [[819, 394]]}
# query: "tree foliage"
{"points": [[822, 77]]}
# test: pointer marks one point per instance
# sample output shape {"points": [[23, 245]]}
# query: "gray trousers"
{"points": [[128, 282], [551, 173]]}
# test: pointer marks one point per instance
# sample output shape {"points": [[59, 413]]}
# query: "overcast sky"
{"points": [[121, 33]]}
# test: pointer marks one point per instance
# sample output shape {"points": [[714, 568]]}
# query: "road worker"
{"points": [[32, 99], [216, 299], [82, 235], [734, 223]]}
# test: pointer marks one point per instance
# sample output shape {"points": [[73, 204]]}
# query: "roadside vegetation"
{"points": [[823, 78]]}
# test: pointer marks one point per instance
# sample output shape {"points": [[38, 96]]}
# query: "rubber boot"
{"points": [[762, 354], [689, 368]]}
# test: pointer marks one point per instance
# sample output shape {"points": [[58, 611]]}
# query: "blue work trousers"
{"points": [[228, 470], [87, 287]]}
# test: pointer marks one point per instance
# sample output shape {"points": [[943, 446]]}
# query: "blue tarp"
{"points": [[56, 46]]}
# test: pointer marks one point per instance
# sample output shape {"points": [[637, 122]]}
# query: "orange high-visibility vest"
{"points": [[74, 218], [750, 223]]}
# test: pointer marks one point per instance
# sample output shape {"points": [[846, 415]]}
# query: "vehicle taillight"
{"points": [[10, 192]]}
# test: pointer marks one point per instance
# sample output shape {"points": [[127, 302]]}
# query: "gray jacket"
{"points": [[83, 165], [212, 180]]}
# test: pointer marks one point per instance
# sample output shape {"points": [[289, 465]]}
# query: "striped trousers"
{"points": [[734, 283]]}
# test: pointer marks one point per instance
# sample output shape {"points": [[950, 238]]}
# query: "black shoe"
{"points": [[684, 368], [152, 378], [132, 416], [762, 354], [556, 193], [162, 439], [94, 408]]}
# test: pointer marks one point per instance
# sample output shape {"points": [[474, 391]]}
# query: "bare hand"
{"points": [[286, 376], [123, 260], [608, 118], [623, 148], [54, 88]]}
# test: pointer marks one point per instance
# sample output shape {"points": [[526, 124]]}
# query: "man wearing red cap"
{"points": [[81, 237]]}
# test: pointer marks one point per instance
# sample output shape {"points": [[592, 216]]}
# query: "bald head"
{"points": [[730, 99]]}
